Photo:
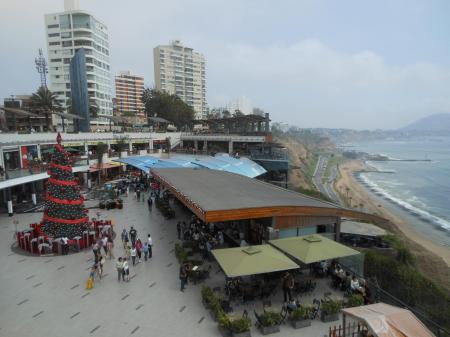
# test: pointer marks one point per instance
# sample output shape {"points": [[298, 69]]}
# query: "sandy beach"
{"points": [[432, 259]]}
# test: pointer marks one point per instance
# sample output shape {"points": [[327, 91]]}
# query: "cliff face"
{"points": [[299, 160]]}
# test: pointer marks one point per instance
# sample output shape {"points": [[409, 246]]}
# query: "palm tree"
{"points": [[44, 101], [101, 149]]}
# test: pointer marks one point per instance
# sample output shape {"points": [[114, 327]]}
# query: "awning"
{"points": [[222, 162], [312, 248], [384, 320], [252, 260], [103, 166]]}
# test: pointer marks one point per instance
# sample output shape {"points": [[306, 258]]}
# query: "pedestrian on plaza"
{"points": [[119, 267], [95, 249], [65, 245], [135, 194], [288, 285], [150, 202], [133, 235], [179, 230], [145, 251], [123, 236], [183, 276], [139, 247], [105, 244], [110, 245], [133, 254], [90, 281], [138, 194], [100, 264], [126, 271], [128, 252], [150, 246]]}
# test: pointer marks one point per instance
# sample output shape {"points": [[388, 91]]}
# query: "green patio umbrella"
{"points": [[252, 260], [312, 248]]}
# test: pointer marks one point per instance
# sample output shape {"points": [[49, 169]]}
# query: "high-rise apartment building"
{"points": [[181, 71], [67, 32], [129, 89]]}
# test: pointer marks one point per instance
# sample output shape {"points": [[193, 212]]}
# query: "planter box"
{"points": [[329, 318], [300, 323], [267, 330], [224, 332], [242, 334]]}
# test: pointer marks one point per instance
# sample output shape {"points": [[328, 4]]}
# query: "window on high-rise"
{"points": [[64, 21]]}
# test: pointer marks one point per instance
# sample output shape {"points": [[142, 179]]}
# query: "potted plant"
{"points": [[301, 317], [240, 327], [224, 325], [207, 294], [269, 322], [330, 310], [215, 308], [355, 301]]}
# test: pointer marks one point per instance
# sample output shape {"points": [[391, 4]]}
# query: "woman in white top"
{"points": [[133, 254], [126, 270]]}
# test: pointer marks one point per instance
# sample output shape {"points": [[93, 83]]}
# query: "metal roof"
{"points": [[220, 162], [213, 190]]}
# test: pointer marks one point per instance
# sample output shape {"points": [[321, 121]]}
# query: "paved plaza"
{"points": [[46, 296]]}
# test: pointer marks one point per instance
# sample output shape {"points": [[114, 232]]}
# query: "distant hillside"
{"points": [[433, 123]]}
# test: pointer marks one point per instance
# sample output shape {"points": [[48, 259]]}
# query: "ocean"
{"points": [[419, 188]]}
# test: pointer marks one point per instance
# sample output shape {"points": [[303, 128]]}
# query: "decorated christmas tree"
{"points": [[64, 212]]}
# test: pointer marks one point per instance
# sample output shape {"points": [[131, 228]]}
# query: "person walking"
{"points": [[150, 246], [119, 267], [110, 245], [124, 237], [133, 254], [95, 250], [183, 276], [288, 285], [133, 235], [105, 244], [145, 251], [100, 264], [139, 247], [179, 230], [126, 271]]}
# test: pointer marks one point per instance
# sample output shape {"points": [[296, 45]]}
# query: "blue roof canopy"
{"points": [[221, 162]]}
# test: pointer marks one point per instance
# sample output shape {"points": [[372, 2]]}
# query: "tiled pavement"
{"points": [[46, 296]]}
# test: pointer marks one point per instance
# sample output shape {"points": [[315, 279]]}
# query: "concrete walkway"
{"points": [[46, 296]]}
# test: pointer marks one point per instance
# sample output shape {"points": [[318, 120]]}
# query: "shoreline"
{"points": [[432, 259]]}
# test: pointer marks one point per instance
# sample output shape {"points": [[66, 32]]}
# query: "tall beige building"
{"points": [[181, 71], [129, 89]]}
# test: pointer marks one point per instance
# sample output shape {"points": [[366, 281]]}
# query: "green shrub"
{"points": [[239, 325], [301, 313], [331, 307], [409, 285], [224, 321], [180, 253], [207, 294], [355, 301], [270, 318]]}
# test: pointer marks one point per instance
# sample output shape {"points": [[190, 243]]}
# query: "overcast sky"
{"points": [[354, 64]]}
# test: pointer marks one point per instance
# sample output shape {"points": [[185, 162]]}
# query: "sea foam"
{"points": [[420, 213]]}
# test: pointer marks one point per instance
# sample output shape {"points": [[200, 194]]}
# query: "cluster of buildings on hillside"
{"points": [[79, 73]]}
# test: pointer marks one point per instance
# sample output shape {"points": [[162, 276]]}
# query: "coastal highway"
{"points": [[318, 178]]}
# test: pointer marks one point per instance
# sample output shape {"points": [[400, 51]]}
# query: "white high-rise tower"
{"points": [[66, 33], [181, 71]]}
